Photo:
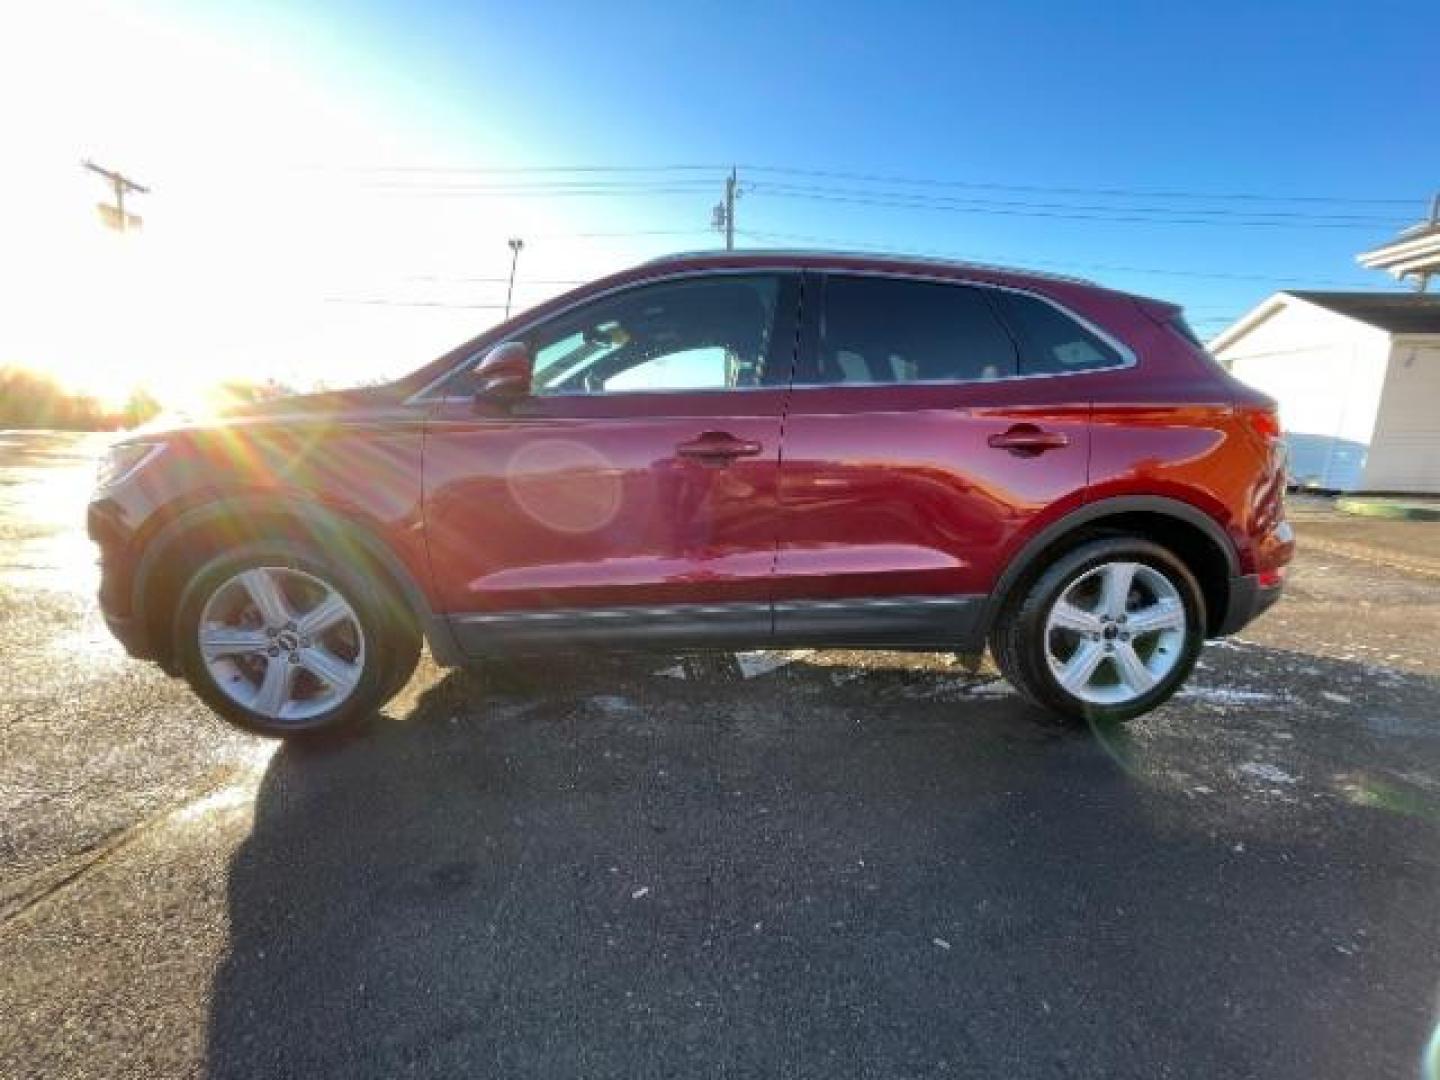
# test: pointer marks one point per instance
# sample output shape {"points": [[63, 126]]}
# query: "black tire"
{"points": [[392, 641], [1017, 639]]}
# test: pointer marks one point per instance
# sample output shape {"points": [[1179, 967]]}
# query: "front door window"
{"points": [[707, 334]]}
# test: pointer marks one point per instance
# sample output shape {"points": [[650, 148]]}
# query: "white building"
{"points": [[1357, 376]]}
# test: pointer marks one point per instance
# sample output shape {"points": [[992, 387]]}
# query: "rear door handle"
{"points": [[1027, 440], [717, 448]]}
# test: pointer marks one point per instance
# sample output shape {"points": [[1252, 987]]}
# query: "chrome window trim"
{"points": [[1127, 355], [1128, 359], [422, 396]]}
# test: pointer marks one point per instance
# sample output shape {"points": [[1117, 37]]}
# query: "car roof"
{"points": [[825, 258], [1078, 294]]}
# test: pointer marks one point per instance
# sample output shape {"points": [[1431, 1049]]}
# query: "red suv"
{"points": [[721, 451]]}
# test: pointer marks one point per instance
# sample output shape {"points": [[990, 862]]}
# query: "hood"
{"points": [[298, 407], [327, 401]]}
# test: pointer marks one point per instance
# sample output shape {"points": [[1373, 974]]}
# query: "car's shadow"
{"points": [[585, 869]]}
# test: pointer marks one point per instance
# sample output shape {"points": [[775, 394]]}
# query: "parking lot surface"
{"points": [[813, 865]]}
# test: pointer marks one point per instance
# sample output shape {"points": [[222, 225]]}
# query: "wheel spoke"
{"points": [[217, 641], [274, 689], [1077, 671], [1164, 615], [264, 592], [339, 674], [327, 613], [1069, 617], [1115, 591], [1133, 672]]}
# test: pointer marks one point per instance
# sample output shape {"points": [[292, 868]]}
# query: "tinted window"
{"points": [[1051, 342], [702, 334], [888, 330]]}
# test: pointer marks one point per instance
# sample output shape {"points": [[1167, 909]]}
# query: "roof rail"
{"points": [[879, 256]]}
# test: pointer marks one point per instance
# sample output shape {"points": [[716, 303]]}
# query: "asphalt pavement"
{"points": [[817, 865]]}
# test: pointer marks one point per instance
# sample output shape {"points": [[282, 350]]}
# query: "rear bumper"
{"points": [[1251, 595]]}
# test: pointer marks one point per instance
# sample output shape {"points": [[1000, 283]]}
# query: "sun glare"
{"points": [[267, 251]]}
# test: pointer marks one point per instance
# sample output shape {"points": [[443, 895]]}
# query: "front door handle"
{"points": [[1027, 440], [716, 448]]}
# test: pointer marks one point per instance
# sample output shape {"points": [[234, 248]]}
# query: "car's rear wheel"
{"points": [[1108, 632], [283, 642]]}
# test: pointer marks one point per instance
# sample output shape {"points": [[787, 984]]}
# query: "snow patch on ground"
{"points": [[1271, 774], [1224, 695], [612, 704], [753, 664], [1234, 644], [993, 688]]}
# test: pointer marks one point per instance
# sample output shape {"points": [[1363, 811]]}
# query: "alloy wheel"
{"points": [[282, 643], [1115, 633]]}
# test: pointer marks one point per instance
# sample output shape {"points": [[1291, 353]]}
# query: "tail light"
{"points": [[1268, 500], [1264, 420], [1272, 578]]}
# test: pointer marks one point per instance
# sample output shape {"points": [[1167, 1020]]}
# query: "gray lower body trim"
{"points": [[940, 622], [700, 626], [919, 622]]}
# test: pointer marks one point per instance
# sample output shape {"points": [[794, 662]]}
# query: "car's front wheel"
{"points": [[281, 641], [1108, 632]]}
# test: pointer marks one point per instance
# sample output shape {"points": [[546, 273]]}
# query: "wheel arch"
{"points": [[184, 543], [1191, 534]]}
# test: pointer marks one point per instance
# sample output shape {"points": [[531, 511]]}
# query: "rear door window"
{"points": [[892, 330], [1051, 342]]}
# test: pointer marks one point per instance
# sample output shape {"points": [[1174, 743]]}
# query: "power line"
{"points": [[524, 170], [466, 279], [519, 192], [1120, 214], [621, 234], [385, 301], [1055, 190], [1131, 217], [889, 198], [807, 238], [890, 179], [957, 201]]}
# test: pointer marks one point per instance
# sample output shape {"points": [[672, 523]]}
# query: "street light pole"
{"points": [[515, 246]]}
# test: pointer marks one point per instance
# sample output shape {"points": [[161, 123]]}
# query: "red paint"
{"points": [[714, 497], [575, 501]]}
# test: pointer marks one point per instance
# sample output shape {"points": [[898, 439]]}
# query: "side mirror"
{"points": [[505, 373]]}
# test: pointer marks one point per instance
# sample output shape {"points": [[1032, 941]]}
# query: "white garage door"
{"points": [[1405, 455]]}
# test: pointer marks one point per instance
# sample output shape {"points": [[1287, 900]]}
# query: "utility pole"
{"points": [[730, 211], [723, 219], [114, 215], [515, 246]]}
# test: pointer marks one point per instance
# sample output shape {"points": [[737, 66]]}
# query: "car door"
{"points": [[633, 493], [916, 453]]}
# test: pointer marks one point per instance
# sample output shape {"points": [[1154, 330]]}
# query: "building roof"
{"points": [[1398, 313], [1414, 253]]}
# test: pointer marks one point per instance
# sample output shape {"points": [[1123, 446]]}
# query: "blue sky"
{"points": [[1285, 99], [1020, 122]]}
